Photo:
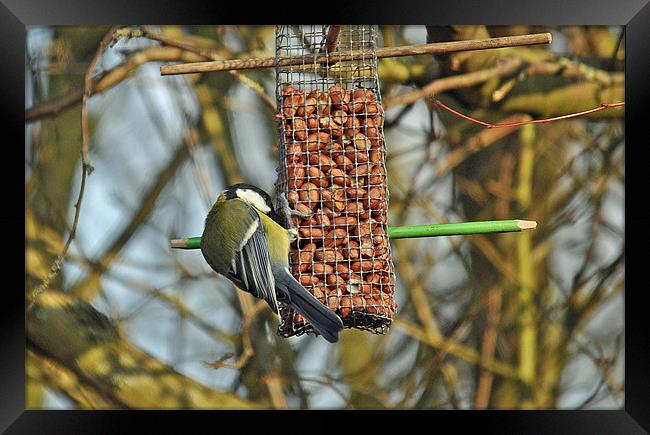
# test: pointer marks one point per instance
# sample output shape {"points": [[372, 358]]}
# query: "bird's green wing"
{"points": [[238, 229], [252, 265]]}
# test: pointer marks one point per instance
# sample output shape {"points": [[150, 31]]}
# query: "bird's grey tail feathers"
{"points": [[324, 321]]}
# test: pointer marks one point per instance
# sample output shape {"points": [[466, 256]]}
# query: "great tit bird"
{"points": [[245, 241]]}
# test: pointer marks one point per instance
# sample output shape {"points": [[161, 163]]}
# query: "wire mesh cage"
{"points": [[332, 174]]}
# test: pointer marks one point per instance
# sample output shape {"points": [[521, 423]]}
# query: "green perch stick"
{"points": [[460, 229], [411, 231]]}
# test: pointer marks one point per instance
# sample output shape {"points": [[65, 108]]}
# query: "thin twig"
{"points": [[54, 107], [603, 106], [575, 70], [438, 86], [247, 318], [86, 169], [88, 88], [56, 265], [484, 387], [476, 143], [86, 288], [273, 382], [214, 56], [331, 384], [456, 349], [111, 78], [202, 176], [207, 53]]}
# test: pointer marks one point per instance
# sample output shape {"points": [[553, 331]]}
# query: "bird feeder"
{"points": [[332, 173], [331, 185]]}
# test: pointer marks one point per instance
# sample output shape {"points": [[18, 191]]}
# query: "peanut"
{"points": [[342, 269], [371, 131], [345, 305], [376, 195], [334, 280], [336, 149], [321, 160], [328, 255], [352, 154], [377, 175], [312, 123], [359, 99], [367, 265], [299, 128], [356, 193], [333, 301], [317, 141], [294, 152], [339, 206], [339, 177], [361, 142], [359, 171], [319, 292], [325, 122], [338, 235], [352, 125], [357, 303], [372, 108], [364, 229], [309, 194], [296, 176], [356, 209], [302, 208], [344, 220], [309, 106], [308, 280], [322, 219], [310, 232], [317, 177], [329, 212], [367, 248], [292, 100], [339, 95], [338, 193], [305, 257], [321, 269], [352, 253], [339, 117], [322, 101], [344, 162]]}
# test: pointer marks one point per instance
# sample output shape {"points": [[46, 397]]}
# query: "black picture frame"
{"points": [[15, 15]]}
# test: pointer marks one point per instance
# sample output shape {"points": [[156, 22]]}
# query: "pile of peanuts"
{"points": [[336, 180]]}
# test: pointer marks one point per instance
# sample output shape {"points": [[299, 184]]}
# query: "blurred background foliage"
{"points": [[525, 320]]}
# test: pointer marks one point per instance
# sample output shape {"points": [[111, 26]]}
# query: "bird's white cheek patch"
{"points": [[254, 199]]}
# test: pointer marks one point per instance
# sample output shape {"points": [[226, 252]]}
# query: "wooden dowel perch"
{"points": [[333, 57]]}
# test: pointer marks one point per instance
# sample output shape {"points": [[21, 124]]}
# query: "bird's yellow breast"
{"points": [[278, 239]]}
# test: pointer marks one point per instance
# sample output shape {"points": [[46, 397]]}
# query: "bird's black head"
{"points": [[253, 196]]}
